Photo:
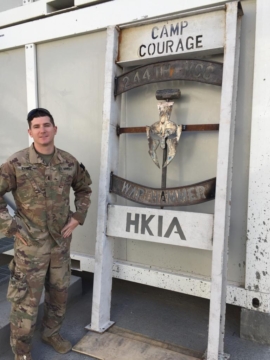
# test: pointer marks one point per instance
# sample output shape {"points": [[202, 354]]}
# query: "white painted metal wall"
{"points": [[13, 102], [6, 5], [70, 84]]}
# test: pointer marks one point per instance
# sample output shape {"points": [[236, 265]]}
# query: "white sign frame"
{"points": [[104, 247]]}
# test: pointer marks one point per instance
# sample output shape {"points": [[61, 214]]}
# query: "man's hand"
{"points": [[19, 236], [68, 229]]}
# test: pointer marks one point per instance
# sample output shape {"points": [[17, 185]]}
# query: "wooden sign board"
{"points": [[161, 226], [198, 34]]}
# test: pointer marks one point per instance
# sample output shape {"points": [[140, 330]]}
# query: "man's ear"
{"points": [[30, 132]]}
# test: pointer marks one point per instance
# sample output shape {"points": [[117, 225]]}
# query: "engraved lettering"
{"points": [[171, 196], [200, 191], [175, 224], [208, 72], [137, 193], [184, 24], [134, 223], [146, 75], [165, 70], [145, 224], [126, 82], [126, 187], [164, 197], [160, 225], [142, 51], [199, 41], [180, 46], [137, 77], [175, 30], [189, 43], [151, 51], [163, 47], [164, 31], [169, 45], [154, 196], [153, 32], [191, 194], [141, 193], [182, 195], [198, 70], [132, 191]]}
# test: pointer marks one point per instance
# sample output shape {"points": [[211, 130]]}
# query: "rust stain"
{"points": [[119, 47]]}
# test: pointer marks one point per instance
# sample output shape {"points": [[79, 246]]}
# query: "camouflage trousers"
{"points": [[33, 268]]}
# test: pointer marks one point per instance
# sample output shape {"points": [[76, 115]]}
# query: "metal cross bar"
{"points": [[142, 129]]}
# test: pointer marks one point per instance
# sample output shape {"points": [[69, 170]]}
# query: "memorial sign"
{"points": [[161, 226], [178, 196], [173, 38]]}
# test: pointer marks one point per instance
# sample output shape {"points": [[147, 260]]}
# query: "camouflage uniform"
{"points": [[41, 194]]}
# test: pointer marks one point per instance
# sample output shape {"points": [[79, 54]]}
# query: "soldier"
{"points": [[40, 178]]}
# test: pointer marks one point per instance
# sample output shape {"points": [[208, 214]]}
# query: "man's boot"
{"points": [[59, 344], [23, 357]]}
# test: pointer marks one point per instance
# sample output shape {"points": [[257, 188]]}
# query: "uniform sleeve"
{"points": [[8, 225], [82, 191]]}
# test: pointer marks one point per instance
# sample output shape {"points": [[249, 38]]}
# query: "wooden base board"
{"points": [[117, 346]]}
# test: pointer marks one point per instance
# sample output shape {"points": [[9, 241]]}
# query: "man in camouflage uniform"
{"points": [[40, 178]]}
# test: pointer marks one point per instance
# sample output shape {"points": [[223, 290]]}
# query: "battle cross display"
{"points": [[163, 132]]}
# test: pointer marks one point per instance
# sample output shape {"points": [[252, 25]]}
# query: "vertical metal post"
{"points": [[101, 304], [215, 350], [31, 78], [164, 169]]}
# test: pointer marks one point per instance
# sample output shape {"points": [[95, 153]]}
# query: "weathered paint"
{"points": [[109, 143], [31, 78], [258, 249], [208, 72], [223, 187], [186, 284], [178, 196]]}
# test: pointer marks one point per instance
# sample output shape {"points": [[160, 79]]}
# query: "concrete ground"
{"points": [[160, 314]]}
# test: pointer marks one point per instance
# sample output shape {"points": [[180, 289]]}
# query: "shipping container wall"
{"points": [[70, 85], [9, 4], [13, 104]]}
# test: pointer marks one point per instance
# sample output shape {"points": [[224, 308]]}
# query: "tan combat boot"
{"points": [[59, 344], [23, 357]]}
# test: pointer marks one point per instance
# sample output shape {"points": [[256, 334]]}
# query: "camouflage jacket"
{"points": [[41, 193]]}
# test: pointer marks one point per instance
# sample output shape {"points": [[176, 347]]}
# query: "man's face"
{"points": [[42, 131]]}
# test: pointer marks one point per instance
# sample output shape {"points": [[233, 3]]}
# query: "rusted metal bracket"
{"points": [[142, 129]]}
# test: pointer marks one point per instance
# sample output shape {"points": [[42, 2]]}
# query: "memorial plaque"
{"points": [[178, 196], [208, 72], [161, 226], [199, 34]]}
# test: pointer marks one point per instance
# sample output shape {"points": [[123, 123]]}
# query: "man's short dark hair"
{"points": [[39, 112]]}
